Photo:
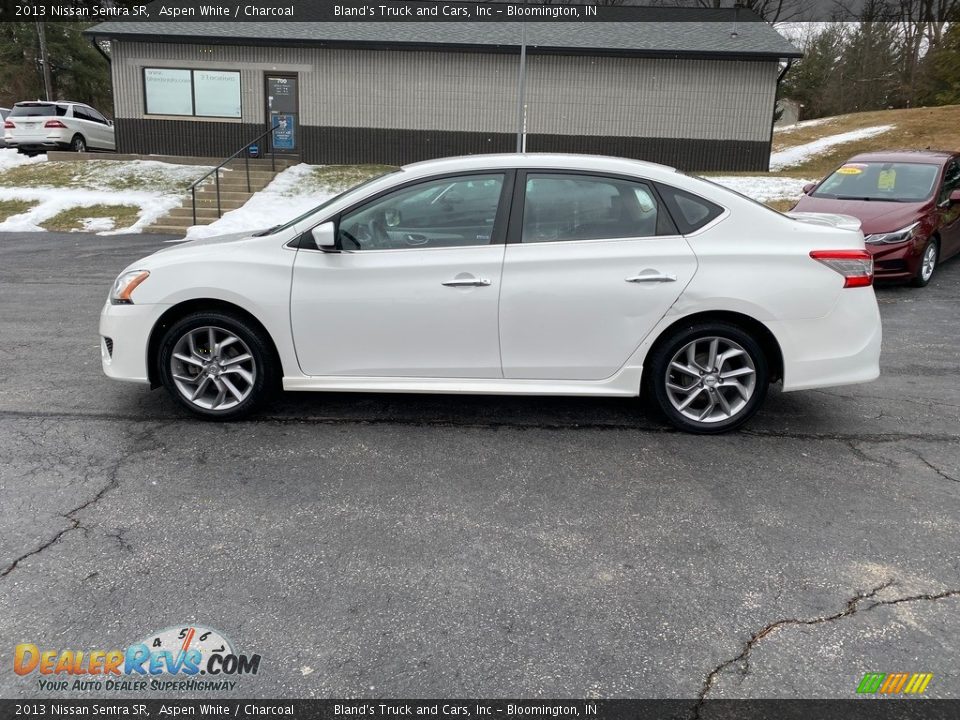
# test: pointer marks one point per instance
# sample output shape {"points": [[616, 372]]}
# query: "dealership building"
{"points": [[698, 95]]}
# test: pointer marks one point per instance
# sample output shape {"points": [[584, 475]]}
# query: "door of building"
{"points": [[283, 112]]}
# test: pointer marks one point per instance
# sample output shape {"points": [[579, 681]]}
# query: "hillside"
{"points": [[936, 128]]}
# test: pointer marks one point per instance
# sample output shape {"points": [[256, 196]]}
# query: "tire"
{"points": [[928, 264], [230, 383], [78, 143], [701, 402]]}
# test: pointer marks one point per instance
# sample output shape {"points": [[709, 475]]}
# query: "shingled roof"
{"points": [[664, 39]]}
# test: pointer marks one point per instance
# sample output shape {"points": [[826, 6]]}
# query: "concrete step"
{"points": [[202, 212], [210, 193], [233, 184], [166, 229], [225, 197]]}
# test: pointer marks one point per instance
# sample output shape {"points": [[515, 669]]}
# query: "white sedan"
{"points": [[508, 274]]}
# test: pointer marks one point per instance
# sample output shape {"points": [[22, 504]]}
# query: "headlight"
{"points": [[126, 284], [891, 238]]}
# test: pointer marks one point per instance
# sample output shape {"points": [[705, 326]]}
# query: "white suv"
{"points": [[35, 127]]}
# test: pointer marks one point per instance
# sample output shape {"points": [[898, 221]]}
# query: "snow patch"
{"points": [[97, 224], [11, 158], [762, 188], [800, 153], [153, 204], [803, 124], [52, 201], [282, 200]]}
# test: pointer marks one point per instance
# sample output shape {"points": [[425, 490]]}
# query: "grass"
{"points": [[936, 128], [101, 174], [337, 178], [781, 205], [9, 208], [72, 219]]}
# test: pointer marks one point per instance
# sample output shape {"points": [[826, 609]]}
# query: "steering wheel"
{"points": [[344, 235]]}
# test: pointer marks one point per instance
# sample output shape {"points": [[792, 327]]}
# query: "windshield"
{"points": [[34, 109], [321, 206], [893, 182]]}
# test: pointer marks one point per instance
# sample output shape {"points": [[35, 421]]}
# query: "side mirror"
{"points": [[325, 237], [955, 197], [808, 187]]}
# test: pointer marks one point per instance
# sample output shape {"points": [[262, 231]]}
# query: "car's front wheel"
{"points": [[218, 366], [928, 263], [708, 377]]}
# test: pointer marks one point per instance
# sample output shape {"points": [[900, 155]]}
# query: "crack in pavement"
{"points": [[938, 471], [113, 482], [852, 607]]}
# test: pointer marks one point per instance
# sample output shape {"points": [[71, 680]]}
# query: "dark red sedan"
{"points": [[908, 204]]}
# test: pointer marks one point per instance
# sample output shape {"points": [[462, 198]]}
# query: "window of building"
{"points": [[192, 93]]}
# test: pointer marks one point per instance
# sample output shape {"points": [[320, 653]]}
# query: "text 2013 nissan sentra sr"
{"points": [[509, 274]]}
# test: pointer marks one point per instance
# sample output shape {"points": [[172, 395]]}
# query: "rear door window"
{"points": [[567, 206]]}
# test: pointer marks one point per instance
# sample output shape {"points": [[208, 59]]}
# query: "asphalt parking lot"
{"points": [[405, 546]]}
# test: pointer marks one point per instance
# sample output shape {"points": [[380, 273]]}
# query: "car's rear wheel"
{"points": [[708, 377], [78, 144], [217, 365], [928, 263]]}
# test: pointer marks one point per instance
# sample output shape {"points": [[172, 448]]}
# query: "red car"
{"points": [[908, 204]]}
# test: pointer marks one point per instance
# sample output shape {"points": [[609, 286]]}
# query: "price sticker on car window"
{"points": [[887, 179], [850, 170]]}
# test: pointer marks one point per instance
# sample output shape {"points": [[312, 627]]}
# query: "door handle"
{"points": [[466, 282], [652, 277]]}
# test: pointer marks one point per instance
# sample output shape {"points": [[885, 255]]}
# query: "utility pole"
{"points": [[45, 61], [521, 98]]}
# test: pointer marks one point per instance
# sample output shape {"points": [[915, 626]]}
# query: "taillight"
{"points": [[8, 125], [54, 124], [856, 266]]}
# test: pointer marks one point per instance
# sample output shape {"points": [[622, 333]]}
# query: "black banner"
{"points": [[858, 709], [731, 11]]}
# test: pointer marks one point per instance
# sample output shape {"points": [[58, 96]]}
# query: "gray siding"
{"points": [[445, 95]]}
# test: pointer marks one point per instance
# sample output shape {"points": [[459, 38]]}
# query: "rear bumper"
{"points": [[124, 336], [842, 348], [54, 139]]}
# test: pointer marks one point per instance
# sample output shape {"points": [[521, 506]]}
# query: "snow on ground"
{"points": [[53, 201], [11, 158], [98, 184], [802, 125], [798, 154], [762, 188], [283, 199]]}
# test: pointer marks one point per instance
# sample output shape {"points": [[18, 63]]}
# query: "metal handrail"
{"points": [[216, 171]]}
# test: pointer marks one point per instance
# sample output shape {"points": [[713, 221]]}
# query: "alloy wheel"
{"points": [[710, 379], [928, 263], [212, 368]]}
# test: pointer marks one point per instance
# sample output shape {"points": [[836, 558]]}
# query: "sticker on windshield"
{"points": [[887, 179], [851, 170]]}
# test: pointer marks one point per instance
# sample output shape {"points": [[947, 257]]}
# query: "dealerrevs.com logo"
{"points": [[184, 658]]}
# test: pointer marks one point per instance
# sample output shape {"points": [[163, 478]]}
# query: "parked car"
{"points": [[3, 116], [908, 203], [35, 127], [586, 276]]}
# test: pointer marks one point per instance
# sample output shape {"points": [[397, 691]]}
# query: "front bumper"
{"points": [[897, 262], [842, 348], [124, 338]]}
